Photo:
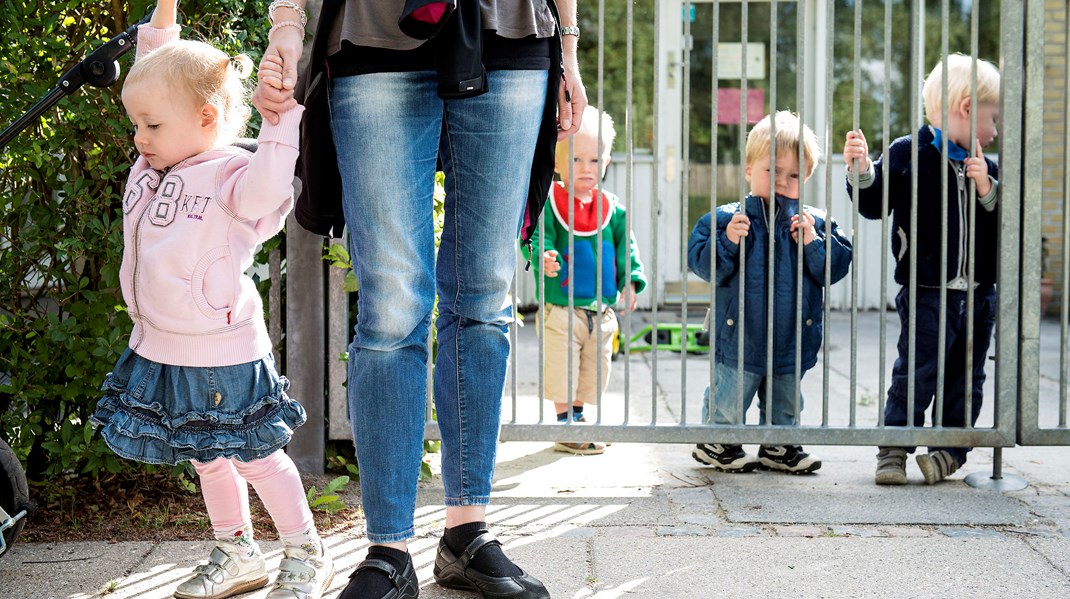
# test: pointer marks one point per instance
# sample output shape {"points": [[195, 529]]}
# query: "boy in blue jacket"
{"points": [[750, 219]]}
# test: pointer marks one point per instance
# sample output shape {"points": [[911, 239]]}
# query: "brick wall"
{"points": [[1055, 40]]}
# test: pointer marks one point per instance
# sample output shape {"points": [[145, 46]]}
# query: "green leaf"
{"points": [[337, 484]]}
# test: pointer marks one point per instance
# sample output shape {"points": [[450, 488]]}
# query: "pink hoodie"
{"points": [[190, 234]]}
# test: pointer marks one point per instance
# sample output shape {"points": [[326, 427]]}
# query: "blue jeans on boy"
{"points": [[927, 315], [390, 130], [726, 394]]}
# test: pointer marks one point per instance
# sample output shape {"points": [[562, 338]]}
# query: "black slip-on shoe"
{"points": [[452, 572], [406, 585]]}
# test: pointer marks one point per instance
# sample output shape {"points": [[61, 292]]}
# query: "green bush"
{"points": [[62, 320]]}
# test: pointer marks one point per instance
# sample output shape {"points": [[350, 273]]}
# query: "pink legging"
{"points": [[277, 482]]}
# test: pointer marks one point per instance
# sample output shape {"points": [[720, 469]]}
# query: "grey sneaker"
{"points": [[937, 465], [891, 466], [302, 576], [727, 458], [226, 574]]}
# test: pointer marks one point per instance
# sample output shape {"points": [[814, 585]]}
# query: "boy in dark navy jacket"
{"points": [[962, 170]]}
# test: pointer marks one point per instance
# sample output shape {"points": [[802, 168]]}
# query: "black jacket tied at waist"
{"points": [[456, 28]]}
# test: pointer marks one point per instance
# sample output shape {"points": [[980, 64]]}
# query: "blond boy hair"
{"points": [[759, 140], [589, 126], [205, 75], [959, 74]]}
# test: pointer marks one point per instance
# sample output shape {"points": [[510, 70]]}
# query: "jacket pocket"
{"points": [[213, 283]]}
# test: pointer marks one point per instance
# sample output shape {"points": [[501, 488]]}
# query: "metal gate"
{"points": [[654, 396]]}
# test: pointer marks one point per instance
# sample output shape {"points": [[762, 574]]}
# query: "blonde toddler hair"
{"points": [[959, 73], [207, 75], [589, 126], [787, 140]]}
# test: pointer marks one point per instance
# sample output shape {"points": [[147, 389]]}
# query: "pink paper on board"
{"points": [[728, 105]]}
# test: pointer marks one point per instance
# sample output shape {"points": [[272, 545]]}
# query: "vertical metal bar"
{"points": [[916, 21], [570, 396], [770, 206], [540, 284], [971, 269], [885, 116], [1021, 172], [856, 100], [624, 335], [715, 83], [685, 192], [654, 142], [1021, 187], [830, 19], [941, 318], [598, 207], [803, 168], [741, 319], [997, 463]]}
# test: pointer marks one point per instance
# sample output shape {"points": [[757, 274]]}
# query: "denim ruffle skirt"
{"points": [[162, 414]]}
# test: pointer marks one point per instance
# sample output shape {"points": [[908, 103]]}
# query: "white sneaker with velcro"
{"points": [[226, 574]]}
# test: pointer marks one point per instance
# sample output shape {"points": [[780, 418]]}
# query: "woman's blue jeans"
{"points": [[391, 130]]}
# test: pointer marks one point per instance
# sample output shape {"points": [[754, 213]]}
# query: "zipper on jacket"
{"points": [[963, 199], [136, 314]]}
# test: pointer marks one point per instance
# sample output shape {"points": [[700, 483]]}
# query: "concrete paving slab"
{"points": [[824, 567], [75, 570], [1056, 550], [947, 504]]}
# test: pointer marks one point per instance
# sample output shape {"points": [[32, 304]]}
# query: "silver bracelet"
{"points": [[571, 30], [277, 4]]}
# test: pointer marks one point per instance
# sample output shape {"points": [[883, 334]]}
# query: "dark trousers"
{"points": [[927, 312]]}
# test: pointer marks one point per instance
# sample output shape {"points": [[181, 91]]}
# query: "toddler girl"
{"points": [[198, 381]]}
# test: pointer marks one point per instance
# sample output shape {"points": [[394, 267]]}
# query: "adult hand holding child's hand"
{"points": [[277, 74]]}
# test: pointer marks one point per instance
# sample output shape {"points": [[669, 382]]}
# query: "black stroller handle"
{"points": [[99, 69]]}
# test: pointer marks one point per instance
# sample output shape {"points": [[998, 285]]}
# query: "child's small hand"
{"points": [[270, 71], [807, 224], [632, 302], [856, 148], [738, 227], [977, 169], [550, 265], [271, 96]]}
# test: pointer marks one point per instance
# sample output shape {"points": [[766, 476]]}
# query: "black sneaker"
{"points": [[787, 458], [729, 458]]}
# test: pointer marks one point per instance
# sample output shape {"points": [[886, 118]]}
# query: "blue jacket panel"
{"points": [[725, 319]]}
